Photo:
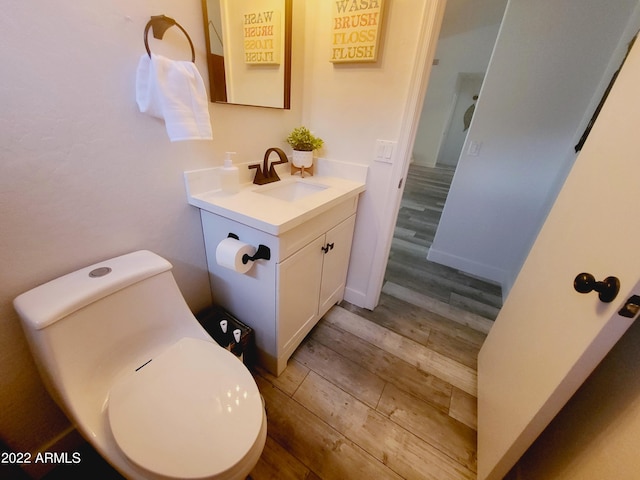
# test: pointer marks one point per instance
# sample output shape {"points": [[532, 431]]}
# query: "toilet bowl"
{"points": [[123, 356]]}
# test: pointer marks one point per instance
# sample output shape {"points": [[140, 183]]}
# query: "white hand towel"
{"points": [[174, 91]]}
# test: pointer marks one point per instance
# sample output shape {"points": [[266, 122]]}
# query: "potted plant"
{"points": [[303, 143]]}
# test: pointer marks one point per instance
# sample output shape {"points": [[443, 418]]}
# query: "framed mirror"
{"points": [[249, 51]]}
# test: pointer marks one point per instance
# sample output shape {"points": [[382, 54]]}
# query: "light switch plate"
{"points": [[474, 148], [385, 150]]}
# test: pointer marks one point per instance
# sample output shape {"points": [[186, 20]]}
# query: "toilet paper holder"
{"points": [[262, 253]]}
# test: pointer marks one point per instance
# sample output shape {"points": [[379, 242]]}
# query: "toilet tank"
{"points": [[86, 327]]}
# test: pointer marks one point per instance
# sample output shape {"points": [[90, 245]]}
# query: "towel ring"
{"points": [[160, 24]]}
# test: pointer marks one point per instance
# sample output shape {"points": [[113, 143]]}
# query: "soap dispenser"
{"points": [[229, 175]]}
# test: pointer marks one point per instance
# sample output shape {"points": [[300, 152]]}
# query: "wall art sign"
{"points": [[262, 36], [355, 30]]}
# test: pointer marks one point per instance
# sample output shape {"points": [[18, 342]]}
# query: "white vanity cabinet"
{"points": [[284, 297], [310, 282]]}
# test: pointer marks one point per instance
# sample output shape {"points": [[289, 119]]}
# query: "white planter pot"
{"points": [[302, 159]]}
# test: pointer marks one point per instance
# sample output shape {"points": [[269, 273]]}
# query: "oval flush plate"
{"points": [[99, 272]]}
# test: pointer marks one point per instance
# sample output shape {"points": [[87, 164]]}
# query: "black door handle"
{"points": [[607, 289]]}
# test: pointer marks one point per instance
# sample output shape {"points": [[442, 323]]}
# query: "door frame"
{"points": [[425, 54]]}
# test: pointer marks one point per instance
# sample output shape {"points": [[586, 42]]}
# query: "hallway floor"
{"points": [[420, 211]]}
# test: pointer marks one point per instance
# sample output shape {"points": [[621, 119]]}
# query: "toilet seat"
{"points": [[192, 411]]}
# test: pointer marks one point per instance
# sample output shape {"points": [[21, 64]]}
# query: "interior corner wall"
{"points": [[549, 60], [85, 176]]}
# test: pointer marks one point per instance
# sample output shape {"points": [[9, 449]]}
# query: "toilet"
{"points": [[123, 356]]}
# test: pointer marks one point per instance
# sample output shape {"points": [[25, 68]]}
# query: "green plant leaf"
{"points": [[302, 139]]}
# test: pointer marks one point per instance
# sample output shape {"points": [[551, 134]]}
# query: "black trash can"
{"points": [[223, 328]]}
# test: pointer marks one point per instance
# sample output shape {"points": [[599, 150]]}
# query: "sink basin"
{"points": [[291, 191]]}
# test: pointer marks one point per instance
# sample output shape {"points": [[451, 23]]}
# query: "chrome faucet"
{"points": [[268, 174]]}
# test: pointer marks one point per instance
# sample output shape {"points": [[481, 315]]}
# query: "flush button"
{"points": [[631, 307], [99, 272]]}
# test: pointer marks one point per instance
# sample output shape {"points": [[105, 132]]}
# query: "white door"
{"points": [[548, 337]]}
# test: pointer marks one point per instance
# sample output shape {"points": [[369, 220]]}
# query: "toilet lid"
{"points": [[192, 411]]}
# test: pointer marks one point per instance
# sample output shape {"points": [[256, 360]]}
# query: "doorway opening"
{"points": [[465, 44]]}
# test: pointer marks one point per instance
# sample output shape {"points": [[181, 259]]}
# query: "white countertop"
{"points": [[265, 213]]}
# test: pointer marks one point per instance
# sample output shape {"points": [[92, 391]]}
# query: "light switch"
{"points": [[474, 148], [384, 151]]}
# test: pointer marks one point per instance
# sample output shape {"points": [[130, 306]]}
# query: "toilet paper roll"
{"points": [[229, 253]]}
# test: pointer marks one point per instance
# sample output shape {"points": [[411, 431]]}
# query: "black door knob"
{"points": [[607, 289]]}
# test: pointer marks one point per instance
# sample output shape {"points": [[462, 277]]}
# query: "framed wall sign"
{"points": [[355, 30]]}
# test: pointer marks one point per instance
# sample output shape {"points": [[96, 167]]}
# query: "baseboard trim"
{"points": [[359, 299], [471, 267]]}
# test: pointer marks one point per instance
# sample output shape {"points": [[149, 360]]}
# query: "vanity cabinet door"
{"points": [[297, 297], [335, 264]]}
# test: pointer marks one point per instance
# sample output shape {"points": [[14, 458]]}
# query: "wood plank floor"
{"points": [[424, 197], [383, 394]]}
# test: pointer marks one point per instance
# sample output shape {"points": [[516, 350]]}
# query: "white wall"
{"points": [[467, 89], [85, 176], [550, 60]]}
